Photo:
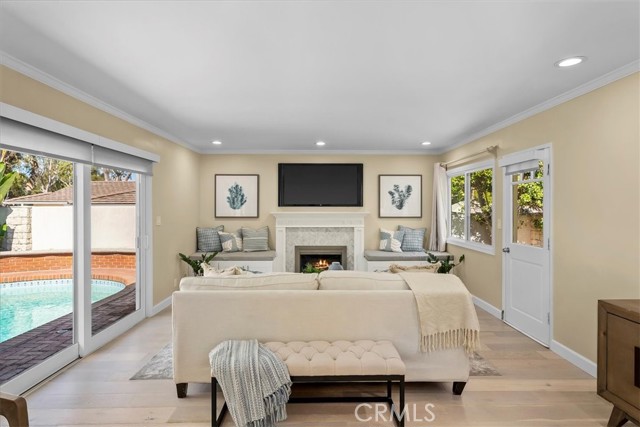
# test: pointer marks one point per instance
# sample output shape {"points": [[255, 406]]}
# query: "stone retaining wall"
{"points": [[18, 237]]}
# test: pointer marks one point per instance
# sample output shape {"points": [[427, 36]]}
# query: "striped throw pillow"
{"points": [[391, 241], [231, 242], [255, 240], [208, 239], [413, 239]]}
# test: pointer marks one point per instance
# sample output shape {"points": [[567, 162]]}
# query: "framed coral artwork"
{"points": [[236, 196], [400, 196]]}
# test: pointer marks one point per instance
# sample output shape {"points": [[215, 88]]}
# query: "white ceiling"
{"points": [[360, 75]]}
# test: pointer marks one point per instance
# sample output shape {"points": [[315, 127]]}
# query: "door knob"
{"points": [[506, 250]]}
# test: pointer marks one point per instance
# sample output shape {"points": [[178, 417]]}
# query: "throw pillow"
{"points": [[255, 240], [208, 239], [413, 239], [231, 242], [391, 241]]}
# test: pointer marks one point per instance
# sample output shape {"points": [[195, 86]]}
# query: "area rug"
{"points": [[480, 367], [160, 367]]}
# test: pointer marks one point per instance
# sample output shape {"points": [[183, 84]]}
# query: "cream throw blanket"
{"points": [[447, 316]]}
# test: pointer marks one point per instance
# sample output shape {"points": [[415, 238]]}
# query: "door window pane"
{"points": [[114, 293], [36, 260], [528, 220]]}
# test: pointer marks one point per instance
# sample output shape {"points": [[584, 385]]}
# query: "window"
{"points": [[471, 206]]}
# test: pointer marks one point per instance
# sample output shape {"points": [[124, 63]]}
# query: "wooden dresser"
{"points": [[619, 358]]}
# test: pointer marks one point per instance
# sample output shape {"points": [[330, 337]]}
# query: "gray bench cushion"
{"points": [[371, 255], [240, 256]]}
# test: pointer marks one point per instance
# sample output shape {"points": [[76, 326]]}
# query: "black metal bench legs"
{"points": [[216, 420], [398, 411]]}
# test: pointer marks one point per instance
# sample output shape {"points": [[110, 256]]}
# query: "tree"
{"points": [[531, 198], [106, 174], [37, 174], [457, 206], [480, 205], [6, 182]]}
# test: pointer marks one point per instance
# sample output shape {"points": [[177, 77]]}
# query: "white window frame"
{"points": [[466, 243]]}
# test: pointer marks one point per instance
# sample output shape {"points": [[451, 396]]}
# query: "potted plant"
{"points": [[445, 265], [309, 268], [196, 264]]}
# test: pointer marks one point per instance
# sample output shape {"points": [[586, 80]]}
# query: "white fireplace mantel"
{"points": [[354, 220]]}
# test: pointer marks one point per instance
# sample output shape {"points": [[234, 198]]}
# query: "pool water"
{"points": [[27, 305]]}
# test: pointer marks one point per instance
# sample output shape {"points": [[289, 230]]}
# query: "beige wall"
{"points": [[175, 181], [267, 167], [596, 157]]}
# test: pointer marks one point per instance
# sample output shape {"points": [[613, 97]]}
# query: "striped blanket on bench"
{"points": [[255, 382]]}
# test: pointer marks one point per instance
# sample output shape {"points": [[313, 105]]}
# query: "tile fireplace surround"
{"points": [[319, 229]]}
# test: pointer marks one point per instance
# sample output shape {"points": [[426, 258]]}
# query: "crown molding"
{"points": [[583, 89], [47, 79], [321, 152]]}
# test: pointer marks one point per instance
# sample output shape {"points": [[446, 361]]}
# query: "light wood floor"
{"points": [[537, 388]]}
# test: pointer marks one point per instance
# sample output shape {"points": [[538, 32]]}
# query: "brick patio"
{"points": [[32, 347], [27, 350]]}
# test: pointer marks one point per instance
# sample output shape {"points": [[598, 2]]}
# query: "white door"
{"points": [[527, 242]]}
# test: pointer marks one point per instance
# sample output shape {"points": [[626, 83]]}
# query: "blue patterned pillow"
{"points": [[391, 241], [231, 242], [413, 240], [208, 239]]}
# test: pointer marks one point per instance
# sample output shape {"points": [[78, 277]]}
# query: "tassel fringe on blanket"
{"points": [[255, 382], [445, 310], [466, 338]]}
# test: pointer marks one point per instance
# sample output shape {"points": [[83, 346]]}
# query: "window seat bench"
{"points": [[380, 260]]}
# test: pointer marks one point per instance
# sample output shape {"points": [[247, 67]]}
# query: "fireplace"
{"points": [[319, 256], [319, 229]]}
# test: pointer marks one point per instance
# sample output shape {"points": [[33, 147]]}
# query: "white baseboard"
{"points": [[563, 351], [160, 306], [577, 359], [495, 312]]}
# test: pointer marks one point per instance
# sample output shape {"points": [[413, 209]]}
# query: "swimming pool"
{"points": [[27, 305]]}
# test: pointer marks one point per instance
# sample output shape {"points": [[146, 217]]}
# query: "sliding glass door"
{"points": [[114, 254], [36, 264], [71, 263]]}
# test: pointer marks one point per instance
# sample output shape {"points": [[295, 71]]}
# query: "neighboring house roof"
{"points": [[102, 192]]}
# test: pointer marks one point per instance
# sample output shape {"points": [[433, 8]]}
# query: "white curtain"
{"points": [[438, 237]]}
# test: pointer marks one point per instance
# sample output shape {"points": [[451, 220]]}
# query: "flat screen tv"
{"points": [[320, 184]]}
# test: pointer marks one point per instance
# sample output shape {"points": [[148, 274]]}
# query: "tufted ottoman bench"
{"points": [[337, 361]]}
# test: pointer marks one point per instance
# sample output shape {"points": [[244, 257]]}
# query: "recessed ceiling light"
{"points": [[320, 143], [426, 143], [216, 142], [570, 62]]}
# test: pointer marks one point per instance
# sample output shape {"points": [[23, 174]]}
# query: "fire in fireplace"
{"points": [[319, 257]]}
